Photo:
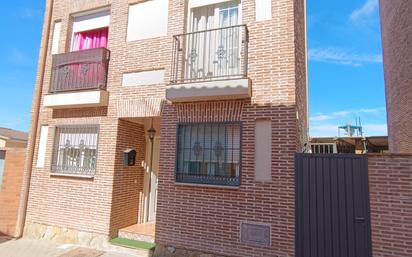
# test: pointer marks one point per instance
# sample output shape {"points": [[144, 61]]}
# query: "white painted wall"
{"points": [[263, 10], [143, 78], [79, 99], [41, 154], [56, 37], [91, 21], [263, 150], [147, 20]]}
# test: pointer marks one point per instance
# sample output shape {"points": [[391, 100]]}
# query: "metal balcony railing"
{"points": [[80, 70], [214, 54]]}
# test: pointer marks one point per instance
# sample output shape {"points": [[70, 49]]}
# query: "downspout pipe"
{"points": [[24, 192]]}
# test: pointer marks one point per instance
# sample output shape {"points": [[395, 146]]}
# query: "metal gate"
{"points": [[332, 206]]}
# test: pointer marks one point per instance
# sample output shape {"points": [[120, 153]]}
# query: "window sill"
{"points": [[70, 175], [207, 185]]}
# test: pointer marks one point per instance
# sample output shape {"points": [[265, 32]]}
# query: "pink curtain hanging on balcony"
{"points": [[90, 39]]}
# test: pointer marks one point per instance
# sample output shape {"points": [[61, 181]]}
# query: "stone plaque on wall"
{"points": [[257, 234]]}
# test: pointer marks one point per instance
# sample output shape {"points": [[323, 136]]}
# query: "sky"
{"points": [[345, 68]]}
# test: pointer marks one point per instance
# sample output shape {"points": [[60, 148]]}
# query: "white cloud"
{"points": [[347, 113], [363, 12], [342, 56], [375, 129], [320, 117], [326, 124], [331, 130]]}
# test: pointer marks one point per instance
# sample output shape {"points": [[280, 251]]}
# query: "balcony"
{"points": [[210, 65], [79, 79]]}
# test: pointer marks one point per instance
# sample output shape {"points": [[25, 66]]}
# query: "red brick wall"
{"points": [[10, 189], [100, 205], [390, 186], [128, 180], [208, 219], [396, 20]]}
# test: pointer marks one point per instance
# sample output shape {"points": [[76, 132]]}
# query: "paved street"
{"points": [[36, 248]]}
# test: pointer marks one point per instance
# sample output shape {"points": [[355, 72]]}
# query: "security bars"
{"points": [[209, 153], [75, 150]]}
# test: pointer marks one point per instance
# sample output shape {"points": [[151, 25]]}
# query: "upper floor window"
{"points": [[214, 16], [90, 30], [75, 150], [147, 19], [90, 39], [215, 46], [208, 153]]}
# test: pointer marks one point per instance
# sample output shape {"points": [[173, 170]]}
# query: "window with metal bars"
{"points": [[75, 150], [209, 153]]}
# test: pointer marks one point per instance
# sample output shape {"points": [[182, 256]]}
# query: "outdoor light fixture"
{"points": [[151, 132]]}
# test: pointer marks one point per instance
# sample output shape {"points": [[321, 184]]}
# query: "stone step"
{"points": [[134, 235]]}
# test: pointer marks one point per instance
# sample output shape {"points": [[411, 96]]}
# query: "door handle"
{"points": [[360, 220]]}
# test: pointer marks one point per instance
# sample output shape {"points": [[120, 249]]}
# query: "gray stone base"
{"points": [[135, 236], [170, 251], [65, 236]]}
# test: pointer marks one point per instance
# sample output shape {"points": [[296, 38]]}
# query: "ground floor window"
{"points": [[75, 150], [209, 153]]}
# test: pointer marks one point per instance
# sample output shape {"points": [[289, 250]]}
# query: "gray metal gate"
{"points": [[332, 206]]}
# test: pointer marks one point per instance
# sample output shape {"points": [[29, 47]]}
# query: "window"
{"points": [[213, 44], [90, 39], [209, 153], [143, 24], [90, 30], [75, 150], [2, 157]]}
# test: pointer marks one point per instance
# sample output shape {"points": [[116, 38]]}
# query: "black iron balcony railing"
{"points": [[80, 70], [213, 54]]}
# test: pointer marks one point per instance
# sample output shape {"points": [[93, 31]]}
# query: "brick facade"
{"points": [[10, 189], [208, 219], [396, 23], [390, 188], [204, 218]]}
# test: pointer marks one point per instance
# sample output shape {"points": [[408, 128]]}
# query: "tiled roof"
{"points": [[12, 134]]}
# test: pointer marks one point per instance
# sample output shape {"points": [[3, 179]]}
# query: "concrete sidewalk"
{"points": [[40, 248]]}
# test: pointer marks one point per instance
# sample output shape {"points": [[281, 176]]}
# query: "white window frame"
{"points": [[56, 149], [102, 17], [203, 3]]}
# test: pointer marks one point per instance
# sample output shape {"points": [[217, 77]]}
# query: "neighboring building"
{"points": [[396, 23], [10, 138], [208, 100], [358, 145], [12, 155]]}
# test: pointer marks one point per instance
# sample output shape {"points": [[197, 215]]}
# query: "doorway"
{"points": [[151, 165], [332, 206]]}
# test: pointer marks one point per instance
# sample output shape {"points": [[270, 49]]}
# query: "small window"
{"points": [[209, 153], [75, 150]]}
